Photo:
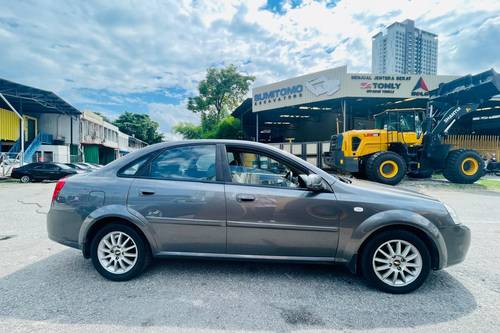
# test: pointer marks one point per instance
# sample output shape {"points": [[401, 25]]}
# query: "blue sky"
{"points": [[148, 56]]}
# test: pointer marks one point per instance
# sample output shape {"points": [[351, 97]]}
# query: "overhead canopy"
{"points": [[32, 100]]}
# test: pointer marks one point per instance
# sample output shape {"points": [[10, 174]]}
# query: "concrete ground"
{"points": [[46, 287]]}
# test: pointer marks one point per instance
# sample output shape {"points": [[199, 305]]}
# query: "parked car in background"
{"points": [[88, 165], [84, 166], [78, 168], [244, 200], [96, 165], [42, 171]]}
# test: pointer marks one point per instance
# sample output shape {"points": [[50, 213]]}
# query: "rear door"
{"points": [[270, 213], [182, 196], [51, 171], [40, 171]]}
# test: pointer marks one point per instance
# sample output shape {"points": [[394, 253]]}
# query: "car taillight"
{"points": [[58, 188]]}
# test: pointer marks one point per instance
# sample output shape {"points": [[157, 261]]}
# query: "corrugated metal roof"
{"points": [[32, 100]]}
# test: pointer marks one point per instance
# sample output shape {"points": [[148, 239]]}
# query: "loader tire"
{"points": [[463, 166], [386, 167]]}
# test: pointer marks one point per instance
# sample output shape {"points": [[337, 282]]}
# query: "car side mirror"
{"points": [[313, 182]]}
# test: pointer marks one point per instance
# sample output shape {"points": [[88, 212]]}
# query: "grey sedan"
{"points": [[243, 200]]}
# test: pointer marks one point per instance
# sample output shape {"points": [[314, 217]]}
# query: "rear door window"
{"points": [[186, 163]]}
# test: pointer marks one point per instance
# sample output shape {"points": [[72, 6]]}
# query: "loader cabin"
{"points": [[400, 121]]}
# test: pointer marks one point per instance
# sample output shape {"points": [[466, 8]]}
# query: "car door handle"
{"points": [[147, 192], [245, 197]]}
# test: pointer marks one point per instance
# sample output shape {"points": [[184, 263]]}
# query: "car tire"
{"points": [[25, 179], [119, 252], [378, 162], [463, 166], [395, 271]]}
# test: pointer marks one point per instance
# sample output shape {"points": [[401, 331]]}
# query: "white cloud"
{"points": [[136, 47], [169, 115]]}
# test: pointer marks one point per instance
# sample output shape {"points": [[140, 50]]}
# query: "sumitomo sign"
{"points": [[279, 93], [337, 83], [309, 88]]}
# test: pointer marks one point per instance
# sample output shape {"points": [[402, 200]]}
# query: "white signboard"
{"points": [[337, 83]]}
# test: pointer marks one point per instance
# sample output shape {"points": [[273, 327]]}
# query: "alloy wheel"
{"points": [[397, 263], [117, 252]]}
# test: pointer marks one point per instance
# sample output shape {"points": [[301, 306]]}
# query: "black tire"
{"points": [[374, 243], [421, 174], [143, 252], [25, 179], [361, 173], [463, 166], [382, 159]]}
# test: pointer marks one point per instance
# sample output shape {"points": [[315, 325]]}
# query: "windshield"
{"points": [[402, 121]]}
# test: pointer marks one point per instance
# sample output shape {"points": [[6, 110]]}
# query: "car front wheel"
{"points": [[396, 261], [119, 253]]}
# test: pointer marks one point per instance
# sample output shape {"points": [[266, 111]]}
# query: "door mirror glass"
{"points": [[313, 182]]}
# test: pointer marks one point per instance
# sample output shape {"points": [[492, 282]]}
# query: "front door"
{"points": [[183, 200], [270, 213]]}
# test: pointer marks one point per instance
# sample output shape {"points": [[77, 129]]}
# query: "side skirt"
{"points": [[247, 257]]}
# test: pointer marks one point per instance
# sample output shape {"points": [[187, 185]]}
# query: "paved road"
{"points": [[45, 287]]}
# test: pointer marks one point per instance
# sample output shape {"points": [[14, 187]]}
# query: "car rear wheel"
{"points": [[119, 253], [396, 261], [25, 179]]}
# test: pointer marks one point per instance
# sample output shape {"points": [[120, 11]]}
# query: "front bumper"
{"points": [[457, 239], [338, 161]]}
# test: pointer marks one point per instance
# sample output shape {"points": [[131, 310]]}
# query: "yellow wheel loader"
{"points": [[409, 142]]}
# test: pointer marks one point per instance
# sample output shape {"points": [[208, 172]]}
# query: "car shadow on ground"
{"points": [[65, 288]]}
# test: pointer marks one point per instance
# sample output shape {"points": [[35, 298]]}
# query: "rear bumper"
{"points": [[66, 242], [457, 240], [338, 161], [63, 227]]}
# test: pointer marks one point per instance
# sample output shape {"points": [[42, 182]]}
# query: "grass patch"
{"points": [[490, 184]]}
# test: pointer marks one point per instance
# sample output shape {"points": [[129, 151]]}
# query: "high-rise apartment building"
{"points": [[404, 49]]}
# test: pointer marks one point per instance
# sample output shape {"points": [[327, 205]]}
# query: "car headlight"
{"points": [[453, 214]]}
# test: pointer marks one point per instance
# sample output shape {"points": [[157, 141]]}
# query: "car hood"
{"points": [[380, 189]]}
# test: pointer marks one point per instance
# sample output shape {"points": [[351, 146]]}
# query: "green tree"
{"points": [[140, 125], [221, 91], [189, 131], [228, 128]]}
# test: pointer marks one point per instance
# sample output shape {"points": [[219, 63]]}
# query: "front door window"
{"points": [[257, 169]]}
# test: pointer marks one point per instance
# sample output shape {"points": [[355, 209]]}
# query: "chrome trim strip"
{"points": [[266, 225], [186, 221], [242, 256]]}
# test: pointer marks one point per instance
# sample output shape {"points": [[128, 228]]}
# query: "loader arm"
{"points": [[454, 99]]}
